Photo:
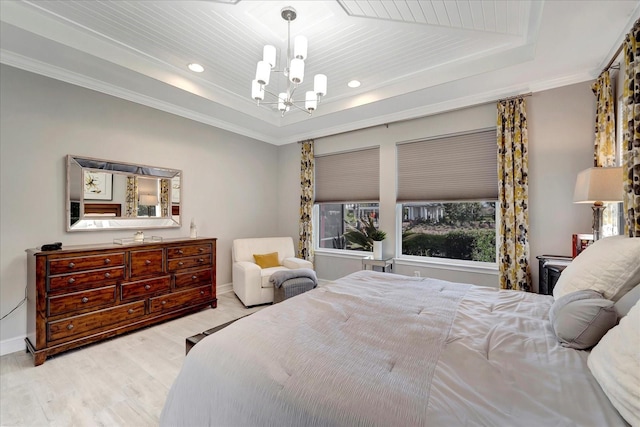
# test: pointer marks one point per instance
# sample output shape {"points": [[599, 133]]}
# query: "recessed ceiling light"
{"points": [[196, 68], [353, 83]]}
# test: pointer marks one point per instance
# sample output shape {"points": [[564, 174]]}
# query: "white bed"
{"points": [[379, 349]]}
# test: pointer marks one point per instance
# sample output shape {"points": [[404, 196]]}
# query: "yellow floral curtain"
{"points": [[131, 198], [605, 139], [604, 154], [513, 195], [305, 237], [631, 134]]}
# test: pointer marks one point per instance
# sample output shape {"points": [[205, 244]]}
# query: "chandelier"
{"points": [[293, 71]]}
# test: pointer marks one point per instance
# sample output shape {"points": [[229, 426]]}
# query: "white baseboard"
{"points": [[13, 345]]}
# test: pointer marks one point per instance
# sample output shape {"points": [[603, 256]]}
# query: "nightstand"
{"points": [[550, 269], [382, 263]]}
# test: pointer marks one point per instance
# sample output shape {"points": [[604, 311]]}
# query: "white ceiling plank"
{"points": [[397, 48]]}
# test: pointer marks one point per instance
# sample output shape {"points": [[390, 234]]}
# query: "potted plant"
{"points": [[365, 236]]}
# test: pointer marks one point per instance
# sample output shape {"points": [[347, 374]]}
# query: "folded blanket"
{"points": [[282, 276]]}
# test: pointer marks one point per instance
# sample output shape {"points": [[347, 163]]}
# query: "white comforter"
{"points": [[388, 350]]}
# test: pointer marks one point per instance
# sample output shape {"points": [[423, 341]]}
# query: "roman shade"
{"points": [[456, 167], [352, 176]]}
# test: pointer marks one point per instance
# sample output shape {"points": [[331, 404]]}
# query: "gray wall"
{"points": [[227, 188], [560, 145], [239, 187]]}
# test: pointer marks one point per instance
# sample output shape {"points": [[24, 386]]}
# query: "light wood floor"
{"points": [[120, 382]]}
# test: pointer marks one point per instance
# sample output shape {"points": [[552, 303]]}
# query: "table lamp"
{"points": [[598, 186]]}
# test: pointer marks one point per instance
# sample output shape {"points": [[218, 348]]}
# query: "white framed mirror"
{"points": [[113, 195]]}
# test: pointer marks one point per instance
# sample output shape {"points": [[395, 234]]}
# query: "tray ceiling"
{"points": [[413, 58]]}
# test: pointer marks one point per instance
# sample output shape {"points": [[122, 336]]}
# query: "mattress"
{"points": [[379, 349]]}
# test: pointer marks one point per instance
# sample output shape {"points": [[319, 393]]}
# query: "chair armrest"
{"points": [[296, 263]]}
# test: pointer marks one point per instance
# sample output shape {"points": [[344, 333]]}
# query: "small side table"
{"points": [[382, 263], [550, 269]]}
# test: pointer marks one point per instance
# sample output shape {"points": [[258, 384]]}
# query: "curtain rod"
{"points": [[417, 118], [524, 95], [615, 55]]}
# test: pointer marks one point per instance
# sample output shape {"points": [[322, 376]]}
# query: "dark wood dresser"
{"points": [[84, 294]]}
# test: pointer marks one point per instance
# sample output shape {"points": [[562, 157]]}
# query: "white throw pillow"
{"points": [[615, 363], [610, 266]]}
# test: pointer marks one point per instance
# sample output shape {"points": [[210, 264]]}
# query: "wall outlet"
{"points": [[416, 273]]}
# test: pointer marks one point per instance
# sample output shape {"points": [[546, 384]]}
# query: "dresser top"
{"points": [[104, 246]]}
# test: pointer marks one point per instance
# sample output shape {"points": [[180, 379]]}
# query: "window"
{"points": [[336, 219], [448, 190], [454, 230], [346, 195]]}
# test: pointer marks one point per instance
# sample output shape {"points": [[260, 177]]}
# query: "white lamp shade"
{"points": [[300, 47], [296, 71], [263, 72], [269, 55], [311, 101], [282, 96], [257, 91], [320, 84], [599, 185], [148, 200]]}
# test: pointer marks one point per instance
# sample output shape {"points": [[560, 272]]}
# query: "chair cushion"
{"points": [[267, 260]]}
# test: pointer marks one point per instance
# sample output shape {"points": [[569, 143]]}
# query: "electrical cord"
{"points": [[17, 306]]}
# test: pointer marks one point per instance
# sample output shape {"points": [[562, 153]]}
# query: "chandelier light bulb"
{"points": [[320, 84], [257, 91], [296, 71], [300, 47], [311, 101], [263, 71], [269, 55], [282, 97]]}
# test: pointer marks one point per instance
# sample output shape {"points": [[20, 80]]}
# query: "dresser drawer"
{"points": [[189, 262], [87, 324], [146, 263], [180, 299], [145, 287], [185, 251], [81, 300], [194, 278], [73, 264], [96, 278]]}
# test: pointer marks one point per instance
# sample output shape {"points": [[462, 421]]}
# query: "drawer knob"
{"points": [[85, 300], [163, 302], [107, 261], [71, 265], [147, 262], [107, 275], [147, 287], [194, 277], [130, 311], [201, 292], [201, 260], [180, 251], [70, 327], [181, 263], [201, 249], [71, 280]]}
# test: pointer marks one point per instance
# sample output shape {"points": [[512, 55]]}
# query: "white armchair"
{"points": [[250, 282]]}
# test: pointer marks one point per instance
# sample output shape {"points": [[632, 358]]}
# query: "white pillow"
{"points": [[615, 363], [610, 266]]}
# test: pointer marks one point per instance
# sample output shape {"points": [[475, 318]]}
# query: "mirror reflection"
{"points": [[108, 195]]}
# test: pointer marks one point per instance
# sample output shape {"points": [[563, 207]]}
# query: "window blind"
{"points": [[352, 176], [457, 167]]}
